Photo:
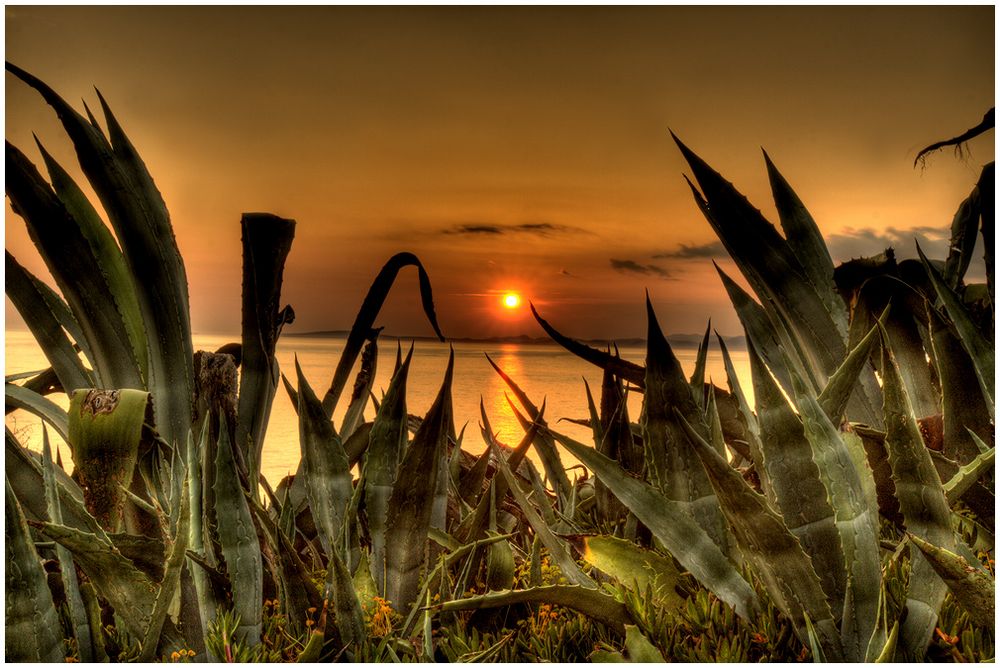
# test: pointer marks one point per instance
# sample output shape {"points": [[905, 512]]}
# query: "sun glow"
{"points": [[511, 300]]}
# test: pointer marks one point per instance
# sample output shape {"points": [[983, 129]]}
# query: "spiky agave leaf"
{"points": [[848, 482], [32, 628], [67, 571], [325, 467], [105, 430], [974, 590], [630, 371], [634, 567], [964, 408], [798, 491], [681, 536], [670, 463], [778, 558], [361, 329], [980, 350], [267, 239], [386, 445], [238, 540], [544, 444], [44, 326], [806, 242], [411, 501], [923, 505], [114, 576]]}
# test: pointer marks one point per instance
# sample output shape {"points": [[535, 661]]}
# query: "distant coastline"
{"points": [[676, 340]]}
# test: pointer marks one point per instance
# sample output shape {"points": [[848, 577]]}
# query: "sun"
{"points": [[511, 300]]}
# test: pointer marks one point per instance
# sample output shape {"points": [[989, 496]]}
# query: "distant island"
{"points": [[676, 340]]}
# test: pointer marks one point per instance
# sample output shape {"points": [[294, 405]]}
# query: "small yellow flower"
{"points": [[309, 622], [174, 656]]}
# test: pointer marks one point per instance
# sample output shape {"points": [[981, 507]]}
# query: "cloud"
{"points": [[495, 229], [853, 243], [695, 251], [564, 272], [633, 267]]}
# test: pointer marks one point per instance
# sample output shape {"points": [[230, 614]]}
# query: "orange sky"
{"points": [[512, 148]]}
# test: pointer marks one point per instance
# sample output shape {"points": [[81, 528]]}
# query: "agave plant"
{"points": [[794, 487], [162, 505]]}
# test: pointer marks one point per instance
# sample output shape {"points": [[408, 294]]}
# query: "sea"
{"points": [[545, 371]]}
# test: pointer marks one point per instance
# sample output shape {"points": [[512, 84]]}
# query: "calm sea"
{"points": [[543, 371]]}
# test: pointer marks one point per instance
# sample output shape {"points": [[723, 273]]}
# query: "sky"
{"points": [[514, 148]]}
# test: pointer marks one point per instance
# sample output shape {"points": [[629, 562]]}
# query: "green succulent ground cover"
{"points": [[847, 515]]}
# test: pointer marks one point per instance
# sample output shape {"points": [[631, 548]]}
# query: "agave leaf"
{"points": [[387, 443], [361, 329], [987, 192], [267, 240], [616, 443], [798, 491], [67, 571], [363, 384], [325, 467], [746, 415], [72, 263], [630, 371], [778, 558], [33, 632], [965, 409], [544, 444], [116, 578], [759, 328], [635, 567], [558, 550], [979, 348], [63, 314], [923, 504], [25, 475], [639, 649], [105, 430], [963, 238], [968, 475], [698, 376], [171, 577], [197, 529], [670, 462], [834, 397], [594, 603], [856, 515], [806, 243], [682, 537], [411, 501], [107, 253], [45, 327], [972, 589], [238, 541], [343, 600], [499, 555]]}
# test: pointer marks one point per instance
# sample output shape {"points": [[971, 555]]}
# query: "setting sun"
{"points": [[511, 300]]}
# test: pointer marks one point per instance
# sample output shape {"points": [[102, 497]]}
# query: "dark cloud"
{"points": [[564, 272], [494, 229], [853, 243], [633, 267], [696, 251]]}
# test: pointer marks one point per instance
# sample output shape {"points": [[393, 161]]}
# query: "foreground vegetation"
{"points": [[847, 515]]}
